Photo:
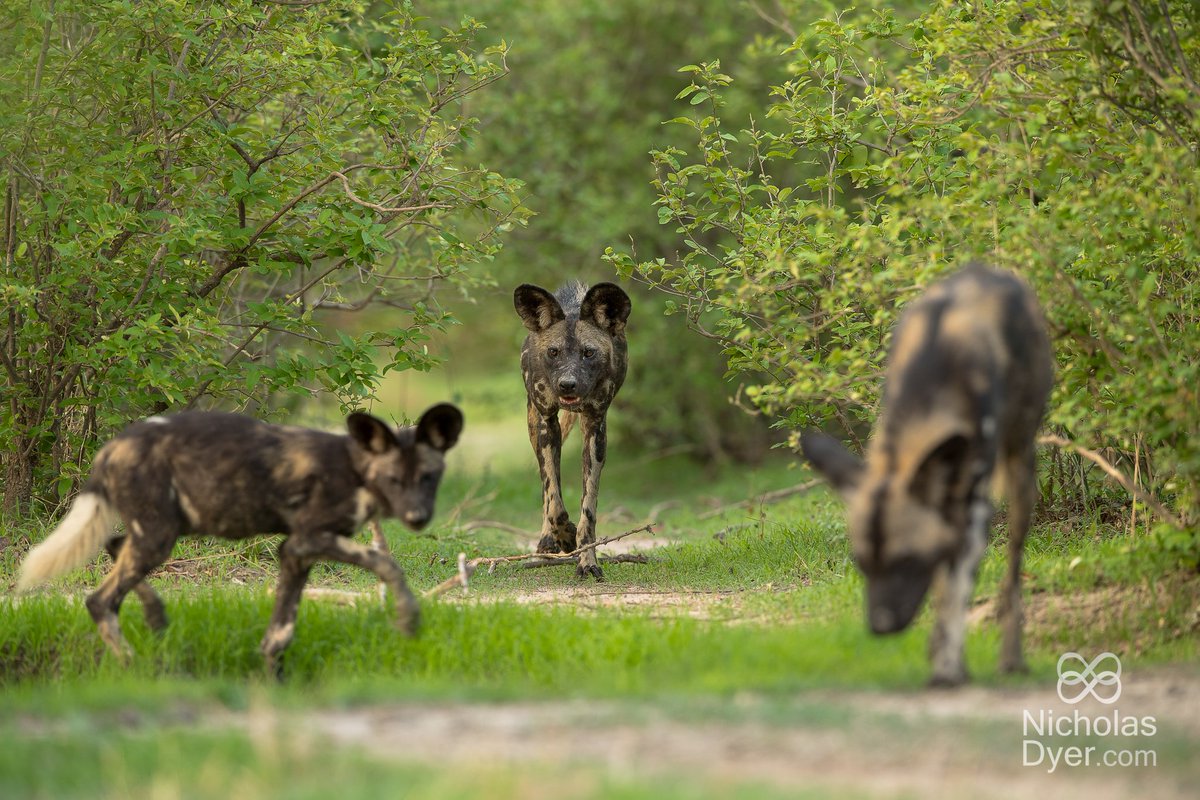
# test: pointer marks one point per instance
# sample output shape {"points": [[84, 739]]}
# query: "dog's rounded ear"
{"points": [[440, 426], [372, 434], [608, 306], [537, 308], [840, 467]]}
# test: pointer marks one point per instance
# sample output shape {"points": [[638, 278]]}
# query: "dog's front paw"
{"points": [[584, 570]]}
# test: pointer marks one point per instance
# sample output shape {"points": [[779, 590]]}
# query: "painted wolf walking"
{"points": [[573, 361], [233, 476], [968, 376]]}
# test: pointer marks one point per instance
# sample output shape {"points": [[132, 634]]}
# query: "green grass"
{"points": [[782, 619], [496, 649], [787, 576]]}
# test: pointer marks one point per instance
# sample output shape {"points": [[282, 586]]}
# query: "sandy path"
{"points": [[965, 743]]}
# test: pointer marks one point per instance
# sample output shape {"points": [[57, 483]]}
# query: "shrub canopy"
{"points": [[1055, 138]]}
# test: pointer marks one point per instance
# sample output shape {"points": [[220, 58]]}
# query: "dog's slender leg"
{"points": [[949, 659], [938, 594], [595, 446], [348, 551], [144, 549], [153, 609], [378, 540], [558, 534], [379, 544], [1021, 479], [294, 566]]}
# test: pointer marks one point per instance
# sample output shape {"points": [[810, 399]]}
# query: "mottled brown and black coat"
{"points": [[233, 476], [573, 363], [968, 376]]}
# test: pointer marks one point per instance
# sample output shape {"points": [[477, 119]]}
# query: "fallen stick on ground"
{"points": [[619, 558], [467, 568], [462, 578], [762, 499]]}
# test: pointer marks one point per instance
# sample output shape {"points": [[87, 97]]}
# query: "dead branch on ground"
{"points": [[619, 558], [467, 568]]}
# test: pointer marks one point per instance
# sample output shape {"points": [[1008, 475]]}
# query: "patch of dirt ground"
{"points": [[969, 742], [929, 744], [699, 604]]}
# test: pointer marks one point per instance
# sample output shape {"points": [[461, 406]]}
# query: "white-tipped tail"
{"points": [[75, 542]]}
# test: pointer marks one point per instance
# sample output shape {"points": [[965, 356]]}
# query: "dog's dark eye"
{"points": [[553, 352], [589, 352]]}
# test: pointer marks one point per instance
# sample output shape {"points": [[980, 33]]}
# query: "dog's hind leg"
{"points": [[294, 565], [595, 447], [148, 544], [558, 534], [379, 544], [153, 609], [1021, 479]]}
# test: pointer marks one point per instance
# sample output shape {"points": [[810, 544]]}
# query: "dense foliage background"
{"points": [[1055, 138], [187, 186], [198, 197]]}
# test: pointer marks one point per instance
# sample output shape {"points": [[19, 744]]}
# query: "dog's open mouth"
{"points": [[569, 400]]}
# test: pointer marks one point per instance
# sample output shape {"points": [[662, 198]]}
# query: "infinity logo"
{"points": [[1089, 678]]}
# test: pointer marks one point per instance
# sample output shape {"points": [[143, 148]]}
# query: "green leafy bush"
{"points": [[189, 187], [1056, 138]]}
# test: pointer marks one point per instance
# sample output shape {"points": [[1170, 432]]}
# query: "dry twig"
{"points": [[1139, 494], [619, 558], [467, 568]]}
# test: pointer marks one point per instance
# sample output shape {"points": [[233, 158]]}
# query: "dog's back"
{"points": [[970, 355], [228, 474]]}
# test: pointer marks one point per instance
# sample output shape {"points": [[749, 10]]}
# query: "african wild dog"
{"points": [[966, 386], [573, 361], [233, 476]]}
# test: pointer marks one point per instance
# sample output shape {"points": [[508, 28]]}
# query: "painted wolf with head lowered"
{"points": [[968, 377], [573, 361], [232, 476]]}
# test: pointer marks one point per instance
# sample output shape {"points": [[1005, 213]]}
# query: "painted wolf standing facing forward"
{"points": [[232, 476], [968, 376], [573, 360]]}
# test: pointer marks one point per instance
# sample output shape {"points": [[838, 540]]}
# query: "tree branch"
{"points": [[1138, 493]]}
